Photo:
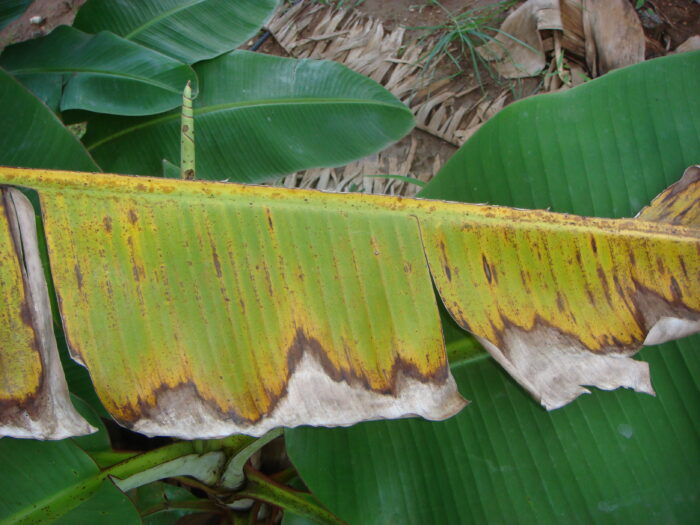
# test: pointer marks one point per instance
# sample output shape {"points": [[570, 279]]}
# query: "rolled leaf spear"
{"points": [[204, 309], [187, 166]]}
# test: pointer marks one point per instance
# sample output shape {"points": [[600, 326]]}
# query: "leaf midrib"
{"points": [[97, 72], [245, 105]]}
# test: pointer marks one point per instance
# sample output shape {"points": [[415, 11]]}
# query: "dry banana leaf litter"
{"points": [[202, 309]]}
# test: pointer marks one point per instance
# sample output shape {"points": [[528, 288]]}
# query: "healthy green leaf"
{"points": [[56, 482], [47, 87], [258, 116], [110, 74], [604, 148], [33, 136], [96, 442], [185, 30]]}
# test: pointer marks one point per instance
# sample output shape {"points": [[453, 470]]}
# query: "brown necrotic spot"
{"points": [[561, 304], [487, 268], [78, 275], [676, 290], [107, 221], [448, 272], [215, 258], [133, 217]]}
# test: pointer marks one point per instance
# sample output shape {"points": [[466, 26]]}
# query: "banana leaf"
{"points": [[215, 330], [259, 116], [38, 138], [184, 30], [108, 74], [603, 149]]}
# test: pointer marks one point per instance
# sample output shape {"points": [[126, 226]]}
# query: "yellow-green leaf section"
{"points": [[206, 309], [20, 363], [34, 399], [203, 309]]}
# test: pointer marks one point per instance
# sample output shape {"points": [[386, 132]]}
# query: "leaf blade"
{"points": [[111, 75], [185, 30], [259, 116]]}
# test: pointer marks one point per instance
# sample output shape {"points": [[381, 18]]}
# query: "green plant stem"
{"points": [[233, 476], [261, 488], [150, 459], [155, 458]]}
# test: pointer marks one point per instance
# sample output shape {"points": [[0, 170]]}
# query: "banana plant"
{"points": [[202, 309]]}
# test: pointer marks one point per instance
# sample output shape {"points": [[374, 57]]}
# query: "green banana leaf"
{"points": [[185, 30], [109, 74], [57, 482], [605, 148], [258, 116], [11, 9], [35, 138]]}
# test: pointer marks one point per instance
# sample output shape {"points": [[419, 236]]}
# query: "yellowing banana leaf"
{"points": [[34, 399], [203, 309]]}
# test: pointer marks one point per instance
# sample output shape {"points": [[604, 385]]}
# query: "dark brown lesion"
{"points": [[487, 268], [78, 276], [270, 224]]}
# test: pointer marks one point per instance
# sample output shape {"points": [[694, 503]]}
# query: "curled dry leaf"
{"points": [[204, 309], [606, 33]]}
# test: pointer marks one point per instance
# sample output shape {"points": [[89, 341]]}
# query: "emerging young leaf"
{"points": [[203, 309]]}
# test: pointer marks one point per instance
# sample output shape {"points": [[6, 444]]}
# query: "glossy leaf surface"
{"points": [[109, 74], [185, 30], [258, 116], [38, 138]]}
